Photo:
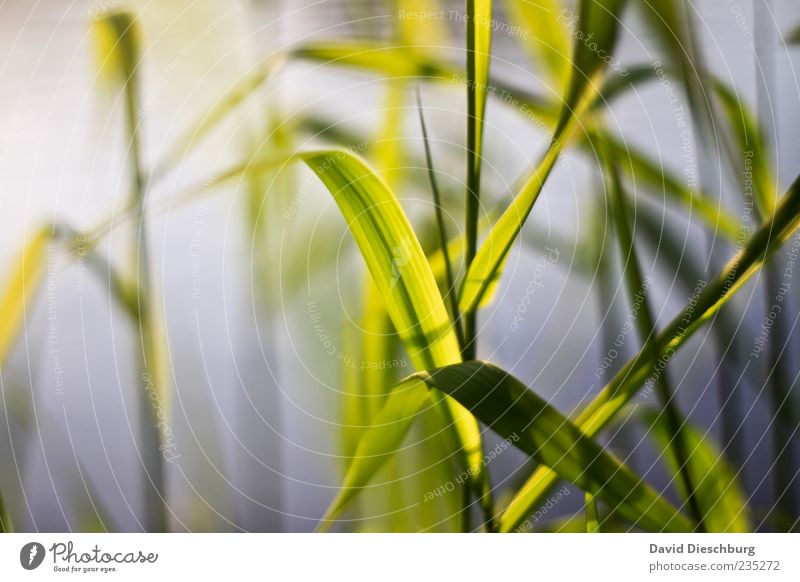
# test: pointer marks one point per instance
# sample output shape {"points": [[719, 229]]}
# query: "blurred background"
{"points": [[259, 298]]}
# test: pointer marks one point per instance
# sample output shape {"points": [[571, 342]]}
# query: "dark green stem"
{"points": [[646, 327], [437, 203]]}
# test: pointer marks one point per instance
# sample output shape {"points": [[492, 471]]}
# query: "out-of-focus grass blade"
{"points": [[221, 109], [648, 173], [380, 442], [118, 47], [750, 142], [645, 322], [746, 133], [546, 35], [794, 35], [365, 388], [598, 18], [592, 521], [625, 384], [507, 406], [24, 279], [393, 61], [721, 497]]}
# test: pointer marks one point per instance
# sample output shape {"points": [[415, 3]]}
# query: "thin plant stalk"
{"points": [[149, 377], [441, 231], [646, 327], [476, 102]]}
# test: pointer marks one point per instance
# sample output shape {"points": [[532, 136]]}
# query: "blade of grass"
{"points": [[393, 61], [672, 25], [24, 280], [118, 49], [786, 486], [516, 413], [479, 40], [545, 35], [440, 228], [718, 491], [660, 181], [379, 443], [793, 36], [531, 424], [402, 276], [425, 35], [625, 384], [221, 109], [598, 18], [763, 134], [646, 326]]}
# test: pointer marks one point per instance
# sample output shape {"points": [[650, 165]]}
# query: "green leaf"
{"points": [[441, 231], [752, 149], [722, 499], [393, 61], [793, 37], [598, 18], [380, 442], [705, 305], [595, 37], [658, 180], [392, 254], [544, 31], [479, 46], [221, 109], [404, 280], [507, 406], [24, 280]]}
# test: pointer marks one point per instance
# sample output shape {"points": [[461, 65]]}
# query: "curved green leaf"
{"points": [[380, 442], [404, 280], [392, 254], [394, 61], [507, 406]]}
